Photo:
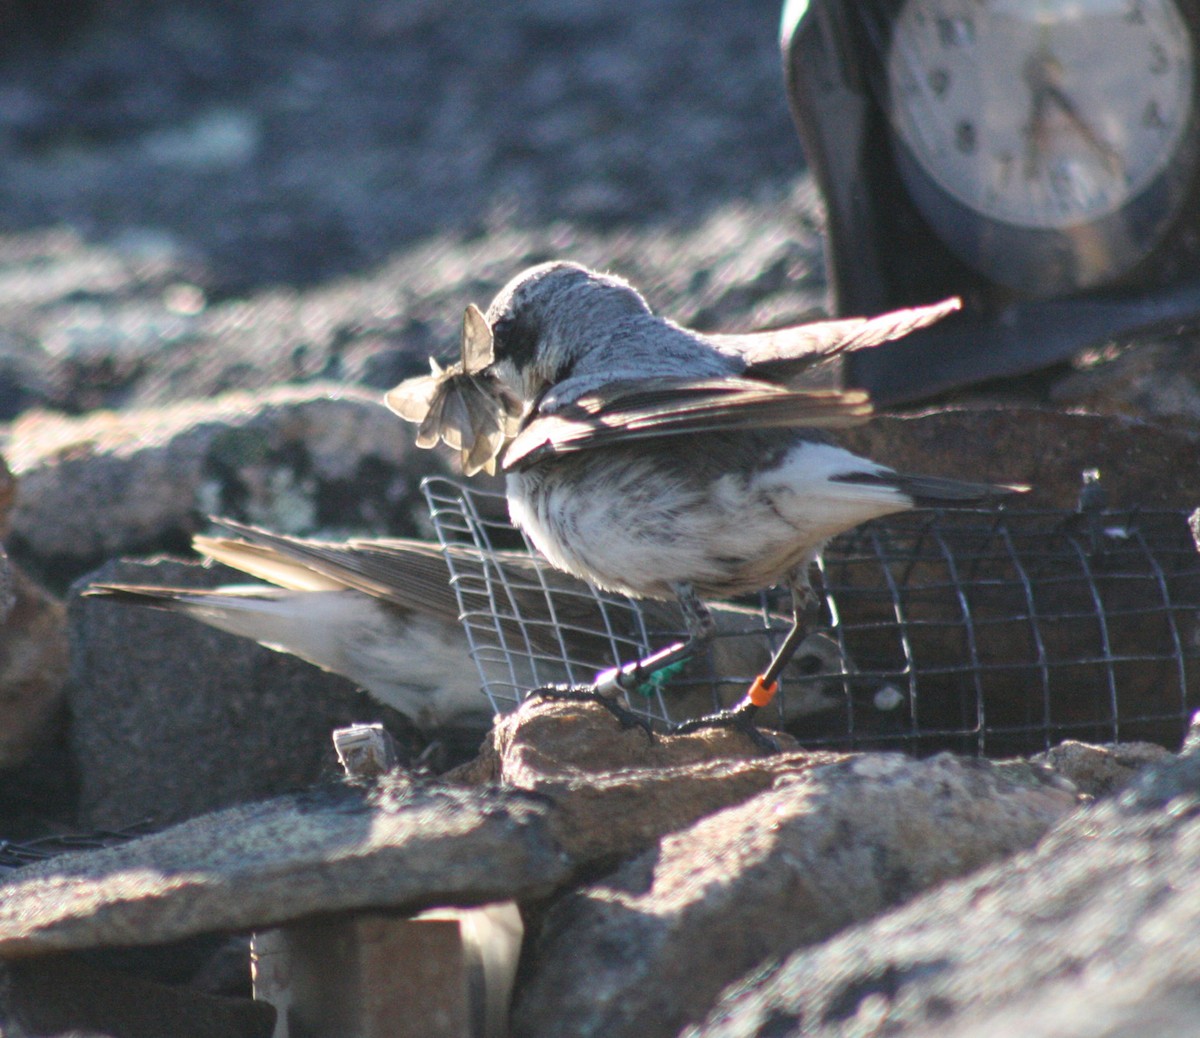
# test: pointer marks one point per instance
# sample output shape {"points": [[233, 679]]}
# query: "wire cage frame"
{"points": [[15, 854], [991, 631]]}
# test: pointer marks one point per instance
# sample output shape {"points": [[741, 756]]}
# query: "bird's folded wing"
{"points": [[414, 575], [627, 411], [786, 352], [410, 574]]}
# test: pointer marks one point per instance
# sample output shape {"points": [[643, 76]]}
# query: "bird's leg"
{"points": [[701, 627], [630, 677], [763, 688]]}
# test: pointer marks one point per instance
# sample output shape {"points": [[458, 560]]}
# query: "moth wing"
{"points": [[477, 344], [430, 430], [413, 397]]}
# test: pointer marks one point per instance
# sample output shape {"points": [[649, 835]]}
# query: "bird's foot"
{"points": [[740, 717], [595, 694]]}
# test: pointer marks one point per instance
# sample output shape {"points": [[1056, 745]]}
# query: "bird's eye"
{"points": [[501, 329], [514, 339], [502, 337]]}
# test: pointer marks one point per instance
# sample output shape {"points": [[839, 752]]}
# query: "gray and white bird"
{"points": [[663, 463], [383, 614]]}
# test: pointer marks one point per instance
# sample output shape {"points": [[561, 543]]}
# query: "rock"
{"points": [[60, 995], [8, 495], [1100, 771], [392, 843], [8, 594], [646, 950], [171, 718], [616, 791], [1158, 378], [550, 740], [25, 702], [289, 458], [33, 666], [1144, 464], [1095, 931], [699, 161]]}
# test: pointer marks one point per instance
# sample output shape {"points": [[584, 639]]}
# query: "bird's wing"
{"points": [[409, 574], [652, 408], [414, 575], [786, 352]]}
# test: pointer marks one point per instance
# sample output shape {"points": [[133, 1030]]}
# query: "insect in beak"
{"points": [[464, 406]]}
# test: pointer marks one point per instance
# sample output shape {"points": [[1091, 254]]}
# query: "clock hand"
{"points": [[1034, 75], [1097, 143], [1043, 74]]}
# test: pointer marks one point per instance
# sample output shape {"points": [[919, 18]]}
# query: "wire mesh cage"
{"points": [[989, 631]]}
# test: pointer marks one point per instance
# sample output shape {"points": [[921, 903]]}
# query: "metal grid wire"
{"points": [[17, 853], [990, 631]]}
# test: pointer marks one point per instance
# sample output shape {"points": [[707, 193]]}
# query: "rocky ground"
{"points": [[225, 229]]}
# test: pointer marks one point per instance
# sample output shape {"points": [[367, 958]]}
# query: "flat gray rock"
{"points": [[388, 844], [1094, 932], [647, 950]]}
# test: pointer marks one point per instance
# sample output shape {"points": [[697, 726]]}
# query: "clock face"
{"points": [[1060, 129]]}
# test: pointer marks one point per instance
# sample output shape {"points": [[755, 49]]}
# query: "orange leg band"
{"points": [[760, 694]]}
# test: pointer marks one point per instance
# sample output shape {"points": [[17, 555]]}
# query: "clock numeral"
{"points": [[939, 81], [965, 139], [1152, 118], [1135, 15], [1159, 62]]}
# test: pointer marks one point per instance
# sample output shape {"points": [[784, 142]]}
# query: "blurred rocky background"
{"points": [[225, 229]]}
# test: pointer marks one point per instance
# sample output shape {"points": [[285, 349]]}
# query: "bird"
{"points": [[384, 614], [663, 463]]}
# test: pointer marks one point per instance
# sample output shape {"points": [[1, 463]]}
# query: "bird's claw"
{"points": [[596, 694], [740, 717]]}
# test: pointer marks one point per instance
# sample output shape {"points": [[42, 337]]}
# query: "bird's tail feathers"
{"points": [[937, 492], [934, 491]]}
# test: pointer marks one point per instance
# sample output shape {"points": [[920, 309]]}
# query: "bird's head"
{"points": [[548, 317], [538, 326]]}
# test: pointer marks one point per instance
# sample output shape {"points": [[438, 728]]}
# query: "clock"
{"points": [[1040, 158], [1049, 144]]}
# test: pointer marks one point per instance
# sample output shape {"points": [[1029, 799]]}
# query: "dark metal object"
{"points": [[996, 632], [881, 254]]}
